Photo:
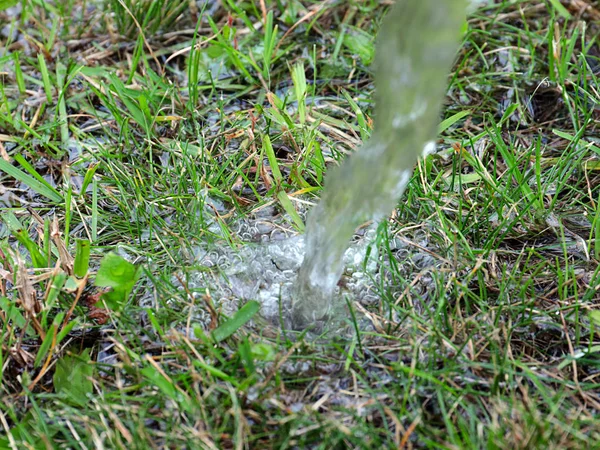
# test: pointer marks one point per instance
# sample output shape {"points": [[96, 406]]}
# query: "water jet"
{"points": [[415, 50]]}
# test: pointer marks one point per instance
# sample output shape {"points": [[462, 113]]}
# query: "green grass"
{"points": [[113, 142]]}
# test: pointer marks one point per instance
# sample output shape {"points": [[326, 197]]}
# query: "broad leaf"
{"points": [[120, 275], [72, 378]]}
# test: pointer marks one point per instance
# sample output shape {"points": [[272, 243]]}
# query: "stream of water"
{"points": [[415, 50]]}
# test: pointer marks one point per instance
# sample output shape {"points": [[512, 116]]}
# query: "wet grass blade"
{"points": [[94, 224], [268, 147], [82, 258], [42, 188], [560, 9], [270, 38], [45, 77], [239, 319], [299, 80], [282, 196], [19, 73], [20, 233], [447, 123], [62, 84], [56, 285], [49, 339], [365, 132], [287, 205]]}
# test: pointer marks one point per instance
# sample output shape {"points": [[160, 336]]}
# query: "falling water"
{"points": [[416, 47]]}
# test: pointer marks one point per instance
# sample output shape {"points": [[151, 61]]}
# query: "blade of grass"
{"points": [[45, 77], [239, 319]]}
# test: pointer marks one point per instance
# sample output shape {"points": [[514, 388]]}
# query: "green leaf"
{"points": [[447, 123], [45, 77], [300, 88], [245, 353], [277, 176], [263, 352], [360, 43], [365, 132], [72, 378], [5, 4], [244, 314], [13, 314], [576, 140], [128, 97], [215, 372], [56, 285], [154, 322], [465, 178], [272, 159], [32, 183], [43, 350], [560, 9], [21, 234], [18, 72], [72, 284], [269, 41], [25, 431], [82, 258], [89, 175], [157, 379], [47, 342], [286, 203], [595, 319], [67, 329], [120, 275]]}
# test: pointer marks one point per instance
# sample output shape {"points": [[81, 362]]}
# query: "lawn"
{"points": [[157, 161]]}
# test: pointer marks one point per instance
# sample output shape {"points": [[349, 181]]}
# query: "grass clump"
{"points": [[146, 17], [125, 149]]}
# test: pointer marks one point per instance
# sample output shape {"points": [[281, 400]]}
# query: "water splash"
{"points": [[265, 269], [416, 47]]}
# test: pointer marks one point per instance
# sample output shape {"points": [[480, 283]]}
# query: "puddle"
{"points": [[266, 266]]}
